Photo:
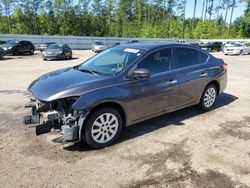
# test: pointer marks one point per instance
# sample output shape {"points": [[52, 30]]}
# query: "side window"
{"points": [[67, 47], [157, 62], [203, 57], [22, 42], [187, 57]]}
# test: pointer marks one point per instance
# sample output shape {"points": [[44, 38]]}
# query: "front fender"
{"points": [[93, 98]]}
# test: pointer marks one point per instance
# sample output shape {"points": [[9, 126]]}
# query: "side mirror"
{"points": [[141, 73]]}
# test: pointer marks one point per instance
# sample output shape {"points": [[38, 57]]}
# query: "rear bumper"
{"points": [[231, 52]]}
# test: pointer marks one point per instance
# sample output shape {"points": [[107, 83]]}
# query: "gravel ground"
{"points": [[186, 148]]}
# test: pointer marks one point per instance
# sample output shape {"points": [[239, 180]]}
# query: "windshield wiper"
{"points": [[89, 71]]}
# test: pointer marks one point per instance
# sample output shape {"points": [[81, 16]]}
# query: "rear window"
{"points": [[203, 57], [99, 43]]}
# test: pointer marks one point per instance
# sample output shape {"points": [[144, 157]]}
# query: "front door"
{"points": [[155, 94]]}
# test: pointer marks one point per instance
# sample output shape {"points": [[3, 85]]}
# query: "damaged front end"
{"points": [[57, 114]]}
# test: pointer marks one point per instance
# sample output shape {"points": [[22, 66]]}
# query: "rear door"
{"points": [[192, 75], [21, 46]]}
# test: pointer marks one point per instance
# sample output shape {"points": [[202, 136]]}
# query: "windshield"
{"points": [[111, 61], [236, 45], [11, 42], [54, 46], [99, 43]]}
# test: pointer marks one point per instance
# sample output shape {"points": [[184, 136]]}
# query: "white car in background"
{"points": [[98, 47], [237, 49]]}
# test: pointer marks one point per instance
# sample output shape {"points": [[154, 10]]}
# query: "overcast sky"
{"points": [[238, 11]]}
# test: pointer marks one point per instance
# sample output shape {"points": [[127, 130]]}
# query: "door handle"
{"points": [[172, 82], [203, 74]]}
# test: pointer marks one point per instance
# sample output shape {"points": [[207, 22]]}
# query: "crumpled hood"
{"points": [[64, 83]]}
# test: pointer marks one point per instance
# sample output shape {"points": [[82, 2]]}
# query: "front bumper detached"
{"points": [[70, 126]]}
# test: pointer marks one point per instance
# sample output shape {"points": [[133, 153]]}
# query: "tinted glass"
{"points": [[187, 57], [203, 57], [237, 45], [111, 61], [99, 43], [157, 62], [54, 46]]}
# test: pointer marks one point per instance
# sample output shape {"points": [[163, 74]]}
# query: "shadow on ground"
{"points": [[174, 118]]}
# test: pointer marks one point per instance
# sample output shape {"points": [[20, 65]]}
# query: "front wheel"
{"points": [[241, 52], [208, 97], [102, 128]]}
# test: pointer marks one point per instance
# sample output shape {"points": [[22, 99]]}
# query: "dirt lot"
{"points": [[182, 149]]}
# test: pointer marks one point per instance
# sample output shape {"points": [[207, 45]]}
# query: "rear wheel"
{"points": [[102, 128], [63, 56], [208, 97], [32, 51], [1, 55], [15, 52]]}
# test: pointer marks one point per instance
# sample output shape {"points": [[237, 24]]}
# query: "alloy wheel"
{"points": [[104, 128], [209, 97]]}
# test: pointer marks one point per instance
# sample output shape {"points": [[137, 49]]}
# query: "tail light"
{"points": [[225, 66]]}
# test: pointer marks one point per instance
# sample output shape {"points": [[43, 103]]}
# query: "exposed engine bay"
{"points": [[57, 114]]}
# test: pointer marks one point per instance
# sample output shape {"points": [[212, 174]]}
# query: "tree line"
{"points": [[124, 18]]}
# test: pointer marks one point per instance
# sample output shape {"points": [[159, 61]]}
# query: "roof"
{"points": [[150, 46]]}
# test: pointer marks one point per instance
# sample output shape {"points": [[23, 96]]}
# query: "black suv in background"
{"points": [[1, 53], [18, 47], [211, 46]]}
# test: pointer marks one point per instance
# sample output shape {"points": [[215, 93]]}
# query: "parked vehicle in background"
{"points": [[1, 53], [44, 46], [181, 41], [227, 44], [133, 41], [237, 49], [18, 47], [212, 46], [55, 51], [194, 44], [122, 86], [98, 47]]}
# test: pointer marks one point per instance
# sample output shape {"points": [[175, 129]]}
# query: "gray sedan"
{"points": [[122, 86], [55, 51]]}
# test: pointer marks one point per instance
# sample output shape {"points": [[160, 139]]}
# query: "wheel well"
{"points": [[217, 85], [114, 105]]}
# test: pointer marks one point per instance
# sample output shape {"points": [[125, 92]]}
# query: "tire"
{"points": [[64, 57], [15, 52], [32, 51], [98, 128], [208, 97], [241, 52], [44, 59], [70, 57], [1, 56]]}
